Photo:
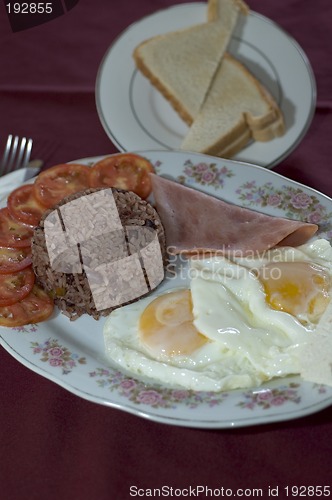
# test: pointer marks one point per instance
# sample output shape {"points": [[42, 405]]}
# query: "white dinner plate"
{"points": [[136, 116], [72, 354]]}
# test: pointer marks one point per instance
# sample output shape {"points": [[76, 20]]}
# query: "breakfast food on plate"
{"points": [[97, 250], [251, 299], [14, 259], [217, 11], [13, 233], [316, 354], [37, 306], [55, 183], [236, 110], [124, 171], [127, 171], [245, 308], [226, 106], [196, 222], [21, 198], [24, 302], [181, 64], [68, 287], [241, 325]]}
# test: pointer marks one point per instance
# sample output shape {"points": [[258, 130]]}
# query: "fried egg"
{"points": [[240, 321]]}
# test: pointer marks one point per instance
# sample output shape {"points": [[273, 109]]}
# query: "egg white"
{"points": [[244, 322], [209, 368], [248, 341]]}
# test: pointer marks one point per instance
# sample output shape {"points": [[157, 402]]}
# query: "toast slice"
{"points": [[216, 10], [181, 64], [237, 109]]}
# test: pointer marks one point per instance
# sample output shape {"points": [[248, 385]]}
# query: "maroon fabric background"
{"points": [[54, 445]]}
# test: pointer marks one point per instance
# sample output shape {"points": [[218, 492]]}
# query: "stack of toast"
{"points": [[222, 102]]}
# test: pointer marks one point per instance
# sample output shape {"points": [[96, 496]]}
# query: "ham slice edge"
{"points": [[196, 223]]}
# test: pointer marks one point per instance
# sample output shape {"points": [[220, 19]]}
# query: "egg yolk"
{"points": [[166, 325], [299, 288]]}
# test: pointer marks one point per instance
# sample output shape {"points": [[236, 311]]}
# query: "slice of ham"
{"points": [[197, 223]]}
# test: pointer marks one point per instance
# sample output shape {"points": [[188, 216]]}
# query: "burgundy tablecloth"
{"points": [[54, 445]]}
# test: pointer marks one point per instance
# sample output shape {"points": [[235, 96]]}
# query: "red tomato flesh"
{"points": [[126, 171], [14, 259], [13, 234], [54, 184], [15, 286], [23, 205], [35, 307]]}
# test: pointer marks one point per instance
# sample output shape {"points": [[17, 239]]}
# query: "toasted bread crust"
{"points": [[231, 143], [271, 124], [158, 84], [213, 9], [248, 127], [239, 138]]}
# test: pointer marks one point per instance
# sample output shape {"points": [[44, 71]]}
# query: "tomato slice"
{"points": [[124, 171], [52, 185], [14, 259], [35, 307], [16, 286], [13, 234], [23, 205]]}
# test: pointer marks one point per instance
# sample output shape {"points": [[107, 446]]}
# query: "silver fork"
{"points": [[16, 155]]}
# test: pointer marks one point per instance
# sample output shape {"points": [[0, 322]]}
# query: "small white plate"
{"points": [[136, 116], [72, 354]]}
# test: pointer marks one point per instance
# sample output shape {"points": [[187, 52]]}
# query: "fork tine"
{"points": [[20, 153], [13, 151], [16, 155], [6, 154], [27, 153]]}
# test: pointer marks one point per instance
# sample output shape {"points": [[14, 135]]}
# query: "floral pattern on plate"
{"points": [[205, 174], [26, 328], [56, 355], [295, 203], [158, 397], [269, 398]]}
